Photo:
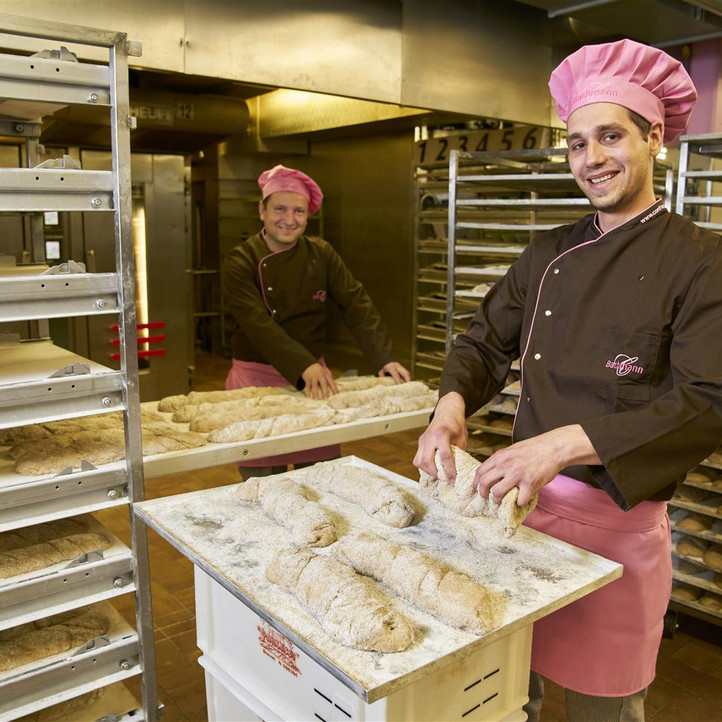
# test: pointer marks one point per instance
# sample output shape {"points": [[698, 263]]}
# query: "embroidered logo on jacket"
{"points": [[624, 365], [319, 296]]}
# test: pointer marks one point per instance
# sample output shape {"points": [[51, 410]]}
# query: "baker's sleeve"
{"points": [[243, 299], [358, 311], [645, 450], [478, 363]]}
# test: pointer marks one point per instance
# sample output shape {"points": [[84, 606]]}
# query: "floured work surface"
{"points": [[235, 541]]}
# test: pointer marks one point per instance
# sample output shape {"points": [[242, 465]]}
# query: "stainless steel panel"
{"points": [[58, 296], [351, 48], [44, 189], [158, 25], [487, 59], [26, 502]]}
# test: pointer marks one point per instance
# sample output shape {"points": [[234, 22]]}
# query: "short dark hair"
{"points": [[644, 125]]}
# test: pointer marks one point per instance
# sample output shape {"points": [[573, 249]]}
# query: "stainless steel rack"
{"points": [[699, 197], [40, 382]]}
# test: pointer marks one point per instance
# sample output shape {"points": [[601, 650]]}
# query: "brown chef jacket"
{"points": [[279, 303], [620, 332]]}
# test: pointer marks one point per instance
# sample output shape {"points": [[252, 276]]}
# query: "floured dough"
{"points": [[359, 383], [347, 399], [39, 533], [425, 582], [102, 445], [45, 638], [465, 500], [38, 556], [351, 609], [175, 402], [274, 426], [209, 417], [687, 592], [379, 497], [288, 503]]}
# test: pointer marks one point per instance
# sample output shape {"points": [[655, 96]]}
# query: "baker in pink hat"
{"points": [[278, 285], [616, 322]]}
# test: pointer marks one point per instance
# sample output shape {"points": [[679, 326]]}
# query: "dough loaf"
{"points": [[687, 592], [359, 383], [98, 446], [425, 582], [695, 522], [177, 401], [209, 417], [410, 389], [351, 609], [39, 533], [379, 497], [47, 638], [711, 601], [39, 556], [288, 503], [690, 546], [464, 499], [274, 426], [712, 557]]}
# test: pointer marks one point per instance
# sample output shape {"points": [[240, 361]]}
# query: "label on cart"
{"points": [[276, 646]]}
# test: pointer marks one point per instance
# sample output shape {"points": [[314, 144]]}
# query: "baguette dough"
{"points": [[39, 533], [379, 497], [95, 445], [209, 417], [464, 499], [274, 426], [695, 522], [425, 582], [175, 402], [49, 637], [288, 503], [39, 556], [351, 609], [347, 399]]}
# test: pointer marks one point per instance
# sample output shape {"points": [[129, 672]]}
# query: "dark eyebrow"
{"points": [[597, 131]]}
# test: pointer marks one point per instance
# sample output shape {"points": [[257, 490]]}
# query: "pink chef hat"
{"points": [[635, 76], [280, 178]]}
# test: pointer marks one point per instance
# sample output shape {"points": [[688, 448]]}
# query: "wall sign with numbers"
{"points": [[520, 137]]}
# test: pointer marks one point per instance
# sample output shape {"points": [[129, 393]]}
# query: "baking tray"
{"points": [[59, 587], [233, 543]]}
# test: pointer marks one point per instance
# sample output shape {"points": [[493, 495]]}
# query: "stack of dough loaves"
{"points": [[465, 500]]}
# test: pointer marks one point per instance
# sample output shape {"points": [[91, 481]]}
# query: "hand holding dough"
{"points": [[425, 582], [351, 609], [287, 503], [465, 500]]}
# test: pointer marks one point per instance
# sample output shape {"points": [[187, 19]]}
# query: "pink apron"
{"points": [[248, 373], [605, 644]]}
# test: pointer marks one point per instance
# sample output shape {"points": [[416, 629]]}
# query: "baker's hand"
{"points": [[532, 463], [319, 382], [446, 428], [397, 372]]}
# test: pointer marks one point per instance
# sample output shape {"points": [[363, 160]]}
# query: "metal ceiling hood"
{"points": [[662, 23], [166, 121]]}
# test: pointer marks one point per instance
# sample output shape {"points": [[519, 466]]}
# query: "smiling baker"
{"points": [[617, 322]]}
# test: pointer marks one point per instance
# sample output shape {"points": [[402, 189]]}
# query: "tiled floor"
{"points": [[688, 687]]}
